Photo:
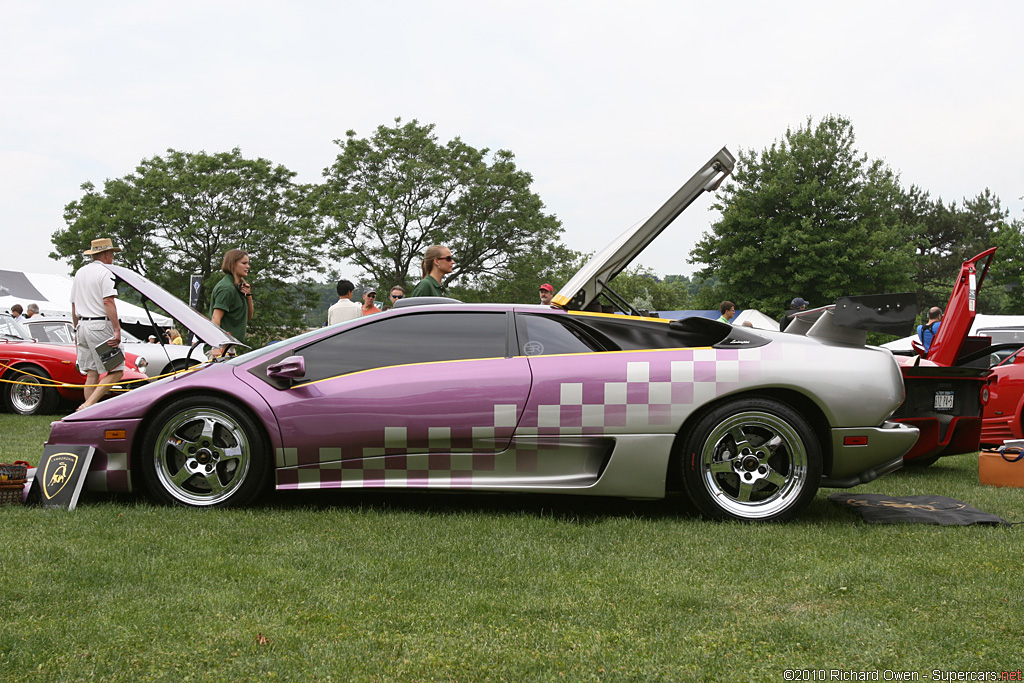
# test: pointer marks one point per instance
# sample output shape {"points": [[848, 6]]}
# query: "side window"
{"points": [[543, 335], [56, 333], [414, 338]]}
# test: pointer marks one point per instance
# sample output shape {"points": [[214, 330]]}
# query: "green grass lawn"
{"points": [[341, 586]]}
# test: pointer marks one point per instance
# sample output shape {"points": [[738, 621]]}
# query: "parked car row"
{"points": [[37, 377], [160, 358], [745, 423]]}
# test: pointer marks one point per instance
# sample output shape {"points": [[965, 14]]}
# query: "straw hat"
{"points": [[101, 245]]}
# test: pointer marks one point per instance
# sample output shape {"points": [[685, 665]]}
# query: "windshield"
{"points": [[274, 347], [12, 329]]}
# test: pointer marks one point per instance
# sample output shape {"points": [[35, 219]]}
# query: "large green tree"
{"points": [[387, 198], [811, 217], [518, 281], [1003, 291], [944, 236], [176, 215]]}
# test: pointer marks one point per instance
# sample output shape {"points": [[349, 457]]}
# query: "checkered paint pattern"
{"points": [[108, 472], [643, 393]]}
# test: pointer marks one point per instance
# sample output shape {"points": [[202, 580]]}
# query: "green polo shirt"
{"points": [[428, 286], [236, 311]]}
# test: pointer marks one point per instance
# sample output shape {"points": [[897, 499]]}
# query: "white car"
{"points": [[160, 359]]}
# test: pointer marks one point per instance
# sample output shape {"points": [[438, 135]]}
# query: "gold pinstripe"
{"points": [[475, 360]]}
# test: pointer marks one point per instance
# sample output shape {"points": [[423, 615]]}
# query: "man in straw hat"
{"points": [[94, 313]]}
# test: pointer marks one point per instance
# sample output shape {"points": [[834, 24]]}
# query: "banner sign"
{"points": [[195, 282]]}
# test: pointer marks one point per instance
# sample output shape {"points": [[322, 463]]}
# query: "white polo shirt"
{"points": [[93, 283]]}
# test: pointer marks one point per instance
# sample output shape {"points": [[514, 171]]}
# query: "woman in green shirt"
{"points": [[437, 262], [231, 301]]}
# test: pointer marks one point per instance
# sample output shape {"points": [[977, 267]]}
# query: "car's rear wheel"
{"points": [[32, 395], [204, 451], [752, 459]]}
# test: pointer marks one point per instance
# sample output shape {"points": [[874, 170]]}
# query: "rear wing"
{"points": [[849, 320]]}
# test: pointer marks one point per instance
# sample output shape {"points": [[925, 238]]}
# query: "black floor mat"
{"points": [[879, 509]]}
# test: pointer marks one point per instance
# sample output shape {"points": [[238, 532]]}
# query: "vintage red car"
{"points": [[35, 377]]}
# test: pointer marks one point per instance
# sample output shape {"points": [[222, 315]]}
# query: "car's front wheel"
{"points": [[751, 459], [204, 451], [30, 393]]}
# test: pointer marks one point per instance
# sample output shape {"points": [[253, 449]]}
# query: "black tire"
{"points": [[204, 451], [752, 459], [33, 395], [179, 365]]}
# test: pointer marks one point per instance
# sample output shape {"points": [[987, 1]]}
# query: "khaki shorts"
{"points": [[91, 333]]}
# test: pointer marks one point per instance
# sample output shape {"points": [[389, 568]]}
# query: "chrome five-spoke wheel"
{"points": [[204, 452], [753, 459]]}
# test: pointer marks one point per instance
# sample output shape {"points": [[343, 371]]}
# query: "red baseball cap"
{"points": [[547, 287]]}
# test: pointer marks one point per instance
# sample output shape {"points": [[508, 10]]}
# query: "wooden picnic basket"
{"points": [[12, 482]]}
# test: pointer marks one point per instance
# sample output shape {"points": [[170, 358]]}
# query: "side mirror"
{"points": [[918, 348], [292, 367]]}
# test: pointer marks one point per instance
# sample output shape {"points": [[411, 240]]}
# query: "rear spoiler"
{"points": [[849, 320]]}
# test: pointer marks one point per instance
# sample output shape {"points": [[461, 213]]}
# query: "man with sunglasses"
{"points": [[397, 294], [437, 263], [369, 301]]}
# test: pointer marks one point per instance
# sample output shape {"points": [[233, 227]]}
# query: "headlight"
{"points": [[141, 364]]}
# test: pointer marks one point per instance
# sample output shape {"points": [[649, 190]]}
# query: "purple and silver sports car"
{"points": [[437, 394]]}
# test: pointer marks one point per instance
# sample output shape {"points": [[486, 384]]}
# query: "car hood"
{"points": [[195, 322], [584, 287]]}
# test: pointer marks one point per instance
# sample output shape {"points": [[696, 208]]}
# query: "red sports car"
{"points": [[1003, 418], [945, 393], [35, 377]]}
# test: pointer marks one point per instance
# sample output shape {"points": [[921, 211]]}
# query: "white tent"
{"points": [[52, 293], [982, 321], [756, 319]]}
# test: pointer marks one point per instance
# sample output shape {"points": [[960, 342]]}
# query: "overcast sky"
{"points": [[609, 105]]}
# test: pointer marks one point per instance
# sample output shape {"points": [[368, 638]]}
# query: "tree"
{"points": [[177, 215], [1002, 291], [944, 236], [387, 198], [518, 280], [808, 217]]}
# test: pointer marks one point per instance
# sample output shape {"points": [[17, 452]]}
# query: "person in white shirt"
{"points": [[94, 314], [345, 309]]}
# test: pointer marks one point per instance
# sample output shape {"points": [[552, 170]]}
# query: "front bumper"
{"points": [[112, 441]]}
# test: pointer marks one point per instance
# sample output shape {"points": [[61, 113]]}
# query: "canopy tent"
{"points": [[52, 293], [982, 322]]}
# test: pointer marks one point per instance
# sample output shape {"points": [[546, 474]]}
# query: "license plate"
{"points": [[943, 400]]}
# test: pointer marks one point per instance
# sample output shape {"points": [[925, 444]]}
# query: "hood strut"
{"points": [[617, 298]]}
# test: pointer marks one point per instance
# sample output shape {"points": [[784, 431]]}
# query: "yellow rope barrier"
{"points": [[59, 385]]}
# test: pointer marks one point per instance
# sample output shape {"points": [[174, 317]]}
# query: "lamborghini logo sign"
{"points": [[58, 473]]}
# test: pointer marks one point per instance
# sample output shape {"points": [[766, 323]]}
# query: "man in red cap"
{"points": [[546, 292]]}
